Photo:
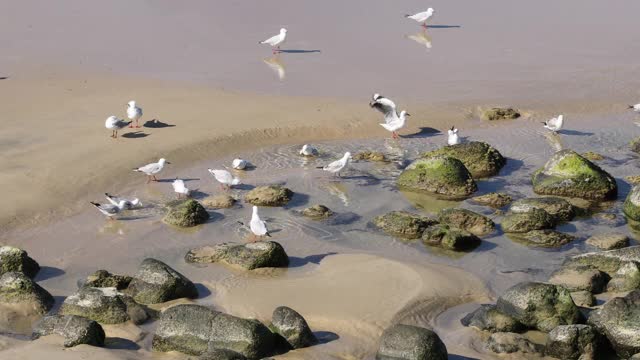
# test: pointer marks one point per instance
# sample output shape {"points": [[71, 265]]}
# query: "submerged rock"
{"points": [[583, 298], [293, 327], [186, 213], [619, 321], [156, 282], [18, 288], [495, 200], [76, 330], [508, 343], [105, 279], [569, 174], [631, 206], [220, 201], [467, 220], [498, 113], [403, 224], [13, 259], [248, 256], [559, 208], [104, 305], [580, 277], [317, 212], [635, 145], [488, 318], [270, 195], [536, 219], [627, 278], [444, 176], [370, 156], [573, 342], [480, 158], [449, 238], [546, 238], [406, 342], [609, 241], [592, 156], [607, 261]]}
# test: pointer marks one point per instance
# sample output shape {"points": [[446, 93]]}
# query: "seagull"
{"points": [[554, 124], [453, 139], [396, 124], [635, 107], [128, 204], [180, 188], [384, 105], [421, 17], [308, 150], [336, 166], [114, 124], [239, 164], [224, 178], [110, 210], [152, 169], [256, 225], [277, 40], [133, 113]]}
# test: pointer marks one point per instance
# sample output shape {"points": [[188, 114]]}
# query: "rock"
{"points": [[186, 213], [627, 278], [220, 201], [317, 212], [580, 277], [631, 206], [247, 256], [498, 113], [370, 156], [633, 179], [559, 208], [18, 288], [449, 238], [635, 145], [479, 158], [619, 321], [293, 327], [607, 261], [406, 342], [221, 354], [468, 220], [508, 343], [543, 238], [573, 342], [488, 318], [592, 156], [569, 174], [495, 200], [270, 195], [536, 219], [104, 305], [538, 305], [13, 259], [403, 224], [583, 298], [635, 357], [194, 329], [105, 279], [609, 241], [443, 176], [156, 282], [76, 330]]}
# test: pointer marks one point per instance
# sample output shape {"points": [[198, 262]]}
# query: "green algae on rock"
{"points": [[18, 288], [370, 156], [559, 208], [480, 158], [467, 220], [14, 259], [269, 195], [403, 224], [186, 213], [545, 238], [247, 256], [631, 206], [440, 175], [498, 113], [450, 238], [494, 200], [522, 222]]}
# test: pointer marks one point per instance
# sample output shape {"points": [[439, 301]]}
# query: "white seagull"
{"points": [[554, 124], [453, 138], [276, 41], [385, 105], [134, 113], [421, 17], [224, 178], [635, 107], [256, 225], [128, 204], [110, 210], [114, 124], [336, 166], [239, 164], [308, 150], [180, 188], [152, 169]]}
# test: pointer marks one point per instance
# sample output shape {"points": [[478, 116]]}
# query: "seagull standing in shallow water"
{"points": [[239, 164], [276, 41], [453, 138], [554, 124], [110, 210], [421, 17], [336, 166], [224, 178], [152, 169], [308, 150], [256, 225], [128, 204], [114, 124], [134, 113], [180, 188]]}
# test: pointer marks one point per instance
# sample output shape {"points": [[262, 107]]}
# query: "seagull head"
{"points": [[376, 96], [235, 181], [132, 103], [112, 118], [430, 10], [347, 155], [404, 113], [283, 31], [163, 161]]}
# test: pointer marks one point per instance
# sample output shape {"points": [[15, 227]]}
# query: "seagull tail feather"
{"points": [[136, 170], [108, 195], [319, 167], [631, 106], [94, 204], [407, 15]]}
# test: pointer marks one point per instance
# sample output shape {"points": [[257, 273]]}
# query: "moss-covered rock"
{"points": [[156, 282], [627, 278], [580, 277], [75, 330], [619, 321], [509, 343], [635, 145], [407, 342], [270, 195], [495, 200], [607, 261], [468, 220], [559, 208], [545, 238], [567, 173], [317, 212], [480, 158], [488, 318], [403, 224], [186, 213], [443, 176], [104, 305], [370, 156], [18, 288], [592, 156], [105, 279], [220, 201], [450, 238], [608, 241], [247, 256], [573, 342], [536, 219], [13, 259], [498, 113], [631, 205], [289, 324]]}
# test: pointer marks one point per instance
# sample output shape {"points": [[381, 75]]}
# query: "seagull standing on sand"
{"points": [[180, 188], [276, 41], [152, 169], [635, 107], [239, 164], [128, 204], [256, 225], [336, 166], [308, 150], [114, 124], [453, 139], [421, 17], [134, 113], [554, 124], [110, 210], [392, 121], [224, 178]]}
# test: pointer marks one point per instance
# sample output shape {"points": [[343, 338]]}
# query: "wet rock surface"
{"points": [[619, 321], [480, 158], [403, 224], [440, 175], [13, 259], [156, 282], [270, 195], [289, 324], [247, 256], [187, 213], [450, 238], [75, 330], [467, 220], [406, 342], [488, 318]]}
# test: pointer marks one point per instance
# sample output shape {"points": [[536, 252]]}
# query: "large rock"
{"points": [[631, 206], [488, 318], [607, 261], [508, 343], [569, 174], [104, 305], [619, 321], [468, 220], [403, 224], [580, 277], [627, 278], [449, 238], [479, 158], [559, 208], [546, 238], [18, 288], [75, 330], [573, 342], [442, 176], [608, 241], [13, 259], [156, 282], [193, 329], [105, 279], [406, 342], [317, 212], [522, 222], [221, 354], [220, 201], [186, 214], [499, 113], [538, 305], [270, 195], [293, 327], [248, 256]]}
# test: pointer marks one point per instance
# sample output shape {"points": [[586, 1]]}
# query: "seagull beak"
{"points": [[168, 163], [407, 114]]}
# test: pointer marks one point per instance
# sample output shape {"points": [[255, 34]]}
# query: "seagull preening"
{"points": [[421, 17], [180, 188], [152, 169], [128, 204], [114, 124], [308, 150], [276, 41], [224, 178], [453, 138], [239, 164], [336, 166], [635, 107], [134, 113], [110, 210], [554, 124], [256, 225], [392, 121]]}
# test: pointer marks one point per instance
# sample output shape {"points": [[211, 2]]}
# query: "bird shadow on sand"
{"points": [[299, 51], [422, 133], [156, 124], [4, 77], [48, 272], [295, 262], [135, 135], [574, 132], [444, 26]]}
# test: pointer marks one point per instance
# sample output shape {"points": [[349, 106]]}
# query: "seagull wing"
{"points": [[258, 227], [272, 40], [149, 168], [334, 166], [223, 176]]}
